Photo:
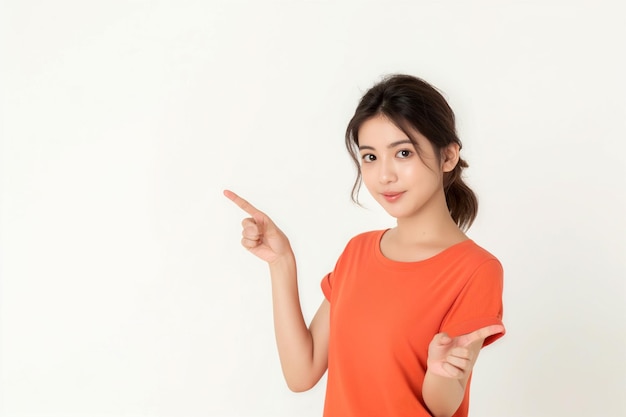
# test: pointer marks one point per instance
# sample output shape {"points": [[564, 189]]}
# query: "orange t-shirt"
{"points": [[385, 313]]}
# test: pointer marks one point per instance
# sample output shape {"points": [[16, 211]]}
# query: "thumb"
{"points": [[442, 339], [260, 221], [265, 224]]}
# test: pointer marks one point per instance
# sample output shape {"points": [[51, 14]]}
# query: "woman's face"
{"points": [[399, 179]]}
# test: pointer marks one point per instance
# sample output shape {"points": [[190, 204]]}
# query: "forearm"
{"points": [[293, 338], [443, 395]]}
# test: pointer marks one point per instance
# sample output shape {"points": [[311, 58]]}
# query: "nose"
{"points": [[387, 172]]}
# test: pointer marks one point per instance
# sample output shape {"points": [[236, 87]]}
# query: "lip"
{"points": [[392, 196]]}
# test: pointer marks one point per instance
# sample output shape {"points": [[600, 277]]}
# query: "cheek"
{"points": [[417, 172], [371, 179], [420, 173], [368, 168], [367, 174]]}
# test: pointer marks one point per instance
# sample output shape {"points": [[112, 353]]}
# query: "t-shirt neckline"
{"points": [[444, 254]]}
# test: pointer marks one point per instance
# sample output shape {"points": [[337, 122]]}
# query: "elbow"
{"points": [[302, 379], [301, 383], [299, 386]]}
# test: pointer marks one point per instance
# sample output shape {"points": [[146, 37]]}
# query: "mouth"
{"points": [[392, 196]]}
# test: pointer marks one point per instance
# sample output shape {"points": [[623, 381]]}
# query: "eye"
{"points": [[404, 153], [368, 157]]}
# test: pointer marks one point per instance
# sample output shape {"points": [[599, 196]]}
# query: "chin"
{"points": [[397, 212]]}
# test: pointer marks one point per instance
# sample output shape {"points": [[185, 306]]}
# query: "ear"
{"points": [[450, 157]]}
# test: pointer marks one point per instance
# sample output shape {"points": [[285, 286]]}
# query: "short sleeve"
{"points": [[329, 280], [351, 255], [479, 303], [327, 286]]}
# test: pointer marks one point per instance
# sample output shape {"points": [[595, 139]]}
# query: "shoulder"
{"points": [[368, 236], [357, 249], [362, 243], [365, 239], [474, 253], [474, 260]]}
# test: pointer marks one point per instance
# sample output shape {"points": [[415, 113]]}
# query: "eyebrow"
{"points": [[391, 145]]}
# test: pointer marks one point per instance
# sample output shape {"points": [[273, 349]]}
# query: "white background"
{"points": [[124, 291]]}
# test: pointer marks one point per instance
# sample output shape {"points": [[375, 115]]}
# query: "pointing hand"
{"points": [[260, 235]]}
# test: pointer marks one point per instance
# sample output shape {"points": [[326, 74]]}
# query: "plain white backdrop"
{"points": [[123, 288]]}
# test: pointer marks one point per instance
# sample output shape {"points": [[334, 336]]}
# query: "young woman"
{"points": [[407, 309]]}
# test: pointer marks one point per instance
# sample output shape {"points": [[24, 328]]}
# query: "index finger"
{"points": [[483, 333], [243, 204]]}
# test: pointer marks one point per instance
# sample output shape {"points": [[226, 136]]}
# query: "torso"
{"points": [[385, 312]]}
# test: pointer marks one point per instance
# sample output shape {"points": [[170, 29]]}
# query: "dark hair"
{"points": [[411, 103]]}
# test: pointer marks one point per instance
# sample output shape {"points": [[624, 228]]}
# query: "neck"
{"points": [[432, 224]]}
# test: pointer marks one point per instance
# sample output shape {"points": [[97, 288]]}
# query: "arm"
{"points": [[450, 364], [303, 351]]}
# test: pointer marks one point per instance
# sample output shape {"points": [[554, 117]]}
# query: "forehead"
{"points": [[380, 131]]}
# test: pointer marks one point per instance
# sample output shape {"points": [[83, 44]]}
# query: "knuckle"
{"points": [[248, 243], [250, 234]]}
